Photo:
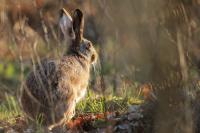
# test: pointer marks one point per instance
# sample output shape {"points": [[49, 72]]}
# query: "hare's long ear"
{"points": [[78, 25], [65, 23]]}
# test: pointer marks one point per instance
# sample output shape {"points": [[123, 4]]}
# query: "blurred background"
{"points": [[29, 30], [139, 42], [130, 37]]}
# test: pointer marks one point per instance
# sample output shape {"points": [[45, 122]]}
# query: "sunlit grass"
{"points": [[9, 109], [99, 103], [96, 103], [92, 103]]}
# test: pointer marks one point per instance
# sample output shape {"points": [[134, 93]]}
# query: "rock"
{"points": [[123, 126], [134, 116], [111, 116], [134, 108], [11, 131], [124, 117], [29, 130], [2, 130], [117, 119]]}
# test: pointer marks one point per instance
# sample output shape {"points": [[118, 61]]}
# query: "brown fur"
{"points": [[53, 88]]}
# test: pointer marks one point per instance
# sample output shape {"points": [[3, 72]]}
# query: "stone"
{"points": [[123, 126], [2, 130], [134, 116], [134, 108]]}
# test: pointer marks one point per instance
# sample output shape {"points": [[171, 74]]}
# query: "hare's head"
{"points": [[72, 28]]}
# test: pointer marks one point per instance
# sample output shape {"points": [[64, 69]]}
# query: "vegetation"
{"points": [[11, 113], [148, 56]]}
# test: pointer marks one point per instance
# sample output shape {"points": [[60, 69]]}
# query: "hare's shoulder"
{"points": [[71, 64], [72, 72]]}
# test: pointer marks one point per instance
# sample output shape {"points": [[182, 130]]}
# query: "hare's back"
{"points": [[42, 81]]}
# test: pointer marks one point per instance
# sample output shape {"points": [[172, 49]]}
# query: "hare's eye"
{"points": [[93, 57]]}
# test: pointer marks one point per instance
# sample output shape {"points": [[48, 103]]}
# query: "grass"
{"points": [[93, 103], [9, 112], [9, 109]]}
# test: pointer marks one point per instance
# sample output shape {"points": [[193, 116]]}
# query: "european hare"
{"points": [[53, 88]]}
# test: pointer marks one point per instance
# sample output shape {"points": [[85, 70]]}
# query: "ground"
{"points": [[94, 113]]}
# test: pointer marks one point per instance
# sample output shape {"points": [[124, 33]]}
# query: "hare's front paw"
{"points": [[73, 113], [70, 112]]}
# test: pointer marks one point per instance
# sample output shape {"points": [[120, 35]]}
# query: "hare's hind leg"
{"points": [[57, 125], [59, 129], [64, 112]]}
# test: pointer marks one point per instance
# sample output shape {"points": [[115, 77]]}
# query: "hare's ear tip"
{"points": [[61, 12], [78, 11]]}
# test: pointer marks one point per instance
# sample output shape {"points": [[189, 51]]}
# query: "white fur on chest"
{"points": [[81, 94]]}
